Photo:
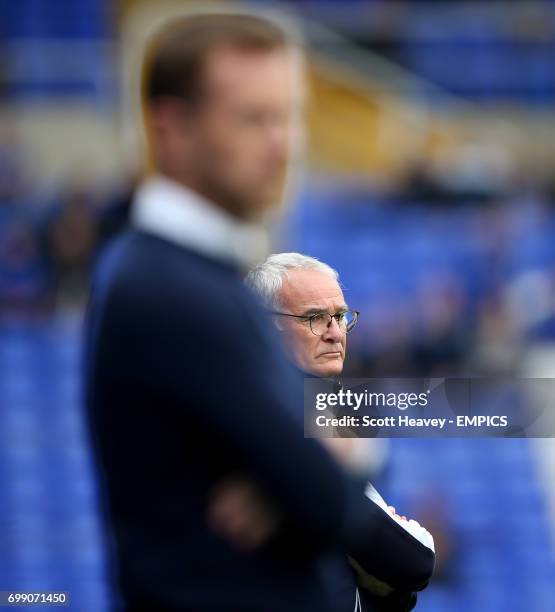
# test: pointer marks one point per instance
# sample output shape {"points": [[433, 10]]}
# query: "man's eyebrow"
{"points": [[313, 311]]}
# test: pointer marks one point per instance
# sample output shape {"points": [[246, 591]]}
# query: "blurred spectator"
{"points": [[69, 242], [23, 275], [442, 342], [24, 290], [115, 214], [12, 167]]}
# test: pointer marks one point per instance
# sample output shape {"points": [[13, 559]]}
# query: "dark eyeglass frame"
{"points": [[310, 318]]}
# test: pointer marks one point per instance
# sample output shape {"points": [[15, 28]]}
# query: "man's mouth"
{"points": [[332, 354]]}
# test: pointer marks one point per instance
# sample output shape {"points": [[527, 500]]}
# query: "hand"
{"points": [[393, 513], [239, 513], [414, 528]]}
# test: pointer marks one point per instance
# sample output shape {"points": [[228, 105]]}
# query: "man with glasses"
{"points": [[304, 297], [313, 315]]}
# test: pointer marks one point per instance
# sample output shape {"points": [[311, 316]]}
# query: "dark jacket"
{"points": [[338, 575], [185, 386]]}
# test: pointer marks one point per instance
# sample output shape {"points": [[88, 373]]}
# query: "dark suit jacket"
{"points": [[185, 386], [335, 569]]}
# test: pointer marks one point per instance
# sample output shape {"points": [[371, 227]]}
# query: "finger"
{"points": [[227, 508], [258, 532], [249, 534], [241, 516]]}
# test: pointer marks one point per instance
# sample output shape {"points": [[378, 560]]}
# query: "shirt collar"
{"points": [[333, 381], [173, 212]]}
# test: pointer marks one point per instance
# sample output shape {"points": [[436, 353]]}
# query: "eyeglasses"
{"points": [[321, 321]]}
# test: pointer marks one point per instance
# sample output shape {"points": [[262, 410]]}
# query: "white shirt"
{"points": [[169, 210]]}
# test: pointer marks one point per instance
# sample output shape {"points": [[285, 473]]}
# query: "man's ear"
{"points": [[168, 115], [170, 123]]}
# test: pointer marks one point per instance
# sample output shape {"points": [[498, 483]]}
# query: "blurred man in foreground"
{"points": [[180, 360]]}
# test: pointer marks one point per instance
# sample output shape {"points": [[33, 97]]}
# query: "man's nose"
{"points": [[333, 333], [278, 137]]}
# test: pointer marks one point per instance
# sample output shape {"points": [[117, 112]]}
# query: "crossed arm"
{"points": [[399, 561]]}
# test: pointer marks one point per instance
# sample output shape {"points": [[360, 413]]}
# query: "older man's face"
{"points": [[307, 292]]}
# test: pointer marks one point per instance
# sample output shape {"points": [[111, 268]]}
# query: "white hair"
{"points": [[266, 279]]}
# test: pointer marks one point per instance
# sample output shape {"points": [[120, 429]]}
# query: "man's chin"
{"points": [[256, 210], [329, 370]]}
